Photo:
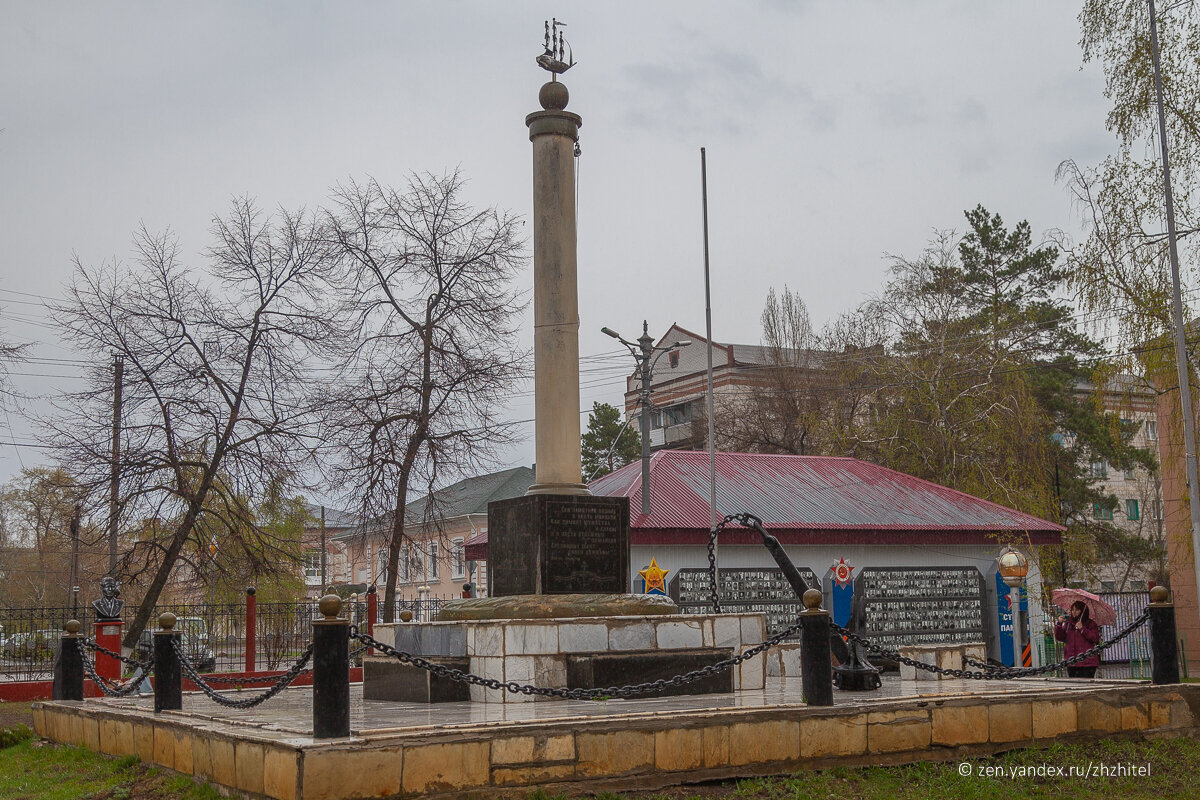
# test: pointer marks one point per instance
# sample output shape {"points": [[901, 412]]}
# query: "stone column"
{"points": [[554, 132]]}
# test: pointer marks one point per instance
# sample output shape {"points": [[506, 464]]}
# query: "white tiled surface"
{"points": [[289, 715]]}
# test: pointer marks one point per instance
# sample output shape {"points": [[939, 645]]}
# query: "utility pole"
{"points": [[323, 583], [114, 465], [75, 561], [647, 346], [1181, 365], [642, 353]]}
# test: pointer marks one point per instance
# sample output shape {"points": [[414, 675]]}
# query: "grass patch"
{"points": [[45, 771], [1174, 771]]}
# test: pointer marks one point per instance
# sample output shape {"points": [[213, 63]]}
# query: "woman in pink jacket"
{"points": [[1080, 633]]}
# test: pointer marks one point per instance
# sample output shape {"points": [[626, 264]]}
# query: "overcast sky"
{"points": [[836, 132]]}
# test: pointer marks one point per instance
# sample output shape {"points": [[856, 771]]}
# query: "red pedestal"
{"points": [[108, 636]]}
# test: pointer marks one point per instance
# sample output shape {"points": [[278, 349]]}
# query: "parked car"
{"points": [[194, 641], [38, 644]]}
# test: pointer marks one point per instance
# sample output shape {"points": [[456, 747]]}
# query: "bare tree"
{"points": [[215, 366], [427, 290], [809, 395]]}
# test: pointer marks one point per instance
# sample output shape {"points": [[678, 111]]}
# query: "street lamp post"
{"points": [[1013, 568], [642, 353]]}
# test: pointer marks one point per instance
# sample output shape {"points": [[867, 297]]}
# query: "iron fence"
{"points": [[214, 635], [1132, 654]]}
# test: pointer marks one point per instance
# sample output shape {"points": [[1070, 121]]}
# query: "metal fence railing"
{"points": [[1131, 653], [214, 635]]}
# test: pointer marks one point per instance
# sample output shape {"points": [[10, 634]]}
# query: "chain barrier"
{"points": [[1006, 673], [605, 693], [142, 665], [745, 519], [280, 684], [113, 688]]}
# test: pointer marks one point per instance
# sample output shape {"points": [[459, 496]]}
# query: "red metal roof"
{"points": [[810, 499]]}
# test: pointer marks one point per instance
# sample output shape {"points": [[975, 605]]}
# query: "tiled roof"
{"points": [[468, 496]]}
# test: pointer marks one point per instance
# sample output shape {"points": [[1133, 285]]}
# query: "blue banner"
{"points": [[1004, 617]]}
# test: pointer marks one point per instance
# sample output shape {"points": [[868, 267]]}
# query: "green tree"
{"points": [[608, 443], [1013, 293]]}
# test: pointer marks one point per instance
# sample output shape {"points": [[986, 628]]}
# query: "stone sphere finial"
{"points": [[72, 627], [166, 621], [1159, 594], [330, 605], [553, 96], [812, 600], [406, 616]]}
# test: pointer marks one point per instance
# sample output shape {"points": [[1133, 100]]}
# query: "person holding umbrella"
{"points": [[1079, 629]]}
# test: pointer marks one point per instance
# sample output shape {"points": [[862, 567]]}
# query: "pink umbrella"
{"points": [[1100, 612]]}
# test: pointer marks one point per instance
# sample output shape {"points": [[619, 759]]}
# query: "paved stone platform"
{"points": [[496, 749]]}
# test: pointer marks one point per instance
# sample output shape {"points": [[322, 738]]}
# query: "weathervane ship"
{"points": [[556, 50]]}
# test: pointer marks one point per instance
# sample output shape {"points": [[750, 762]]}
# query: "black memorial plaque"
{"points": [[558, 544], [922, 605], [744, 590]]}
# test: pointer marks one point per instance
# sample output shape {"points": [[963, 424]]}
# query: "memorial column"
{"points": [[554, 133]]}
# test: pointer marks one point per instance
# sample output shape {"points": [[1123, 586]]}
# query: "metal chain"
{"points": [[143, 665], [112, 688], [282, 683], [1006, 673], [745, 519], [573, 694]]}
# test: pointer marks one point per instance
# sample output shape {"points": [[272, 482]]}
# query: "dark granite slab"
{"points": [[385, 678], [597, 670], [558, 544]]}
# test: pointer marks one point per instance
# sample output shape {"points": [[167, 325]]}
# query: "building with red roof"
{"points": [[850, 525]]}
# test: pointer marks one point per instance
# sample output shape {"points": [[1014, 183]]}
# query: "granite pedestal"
{"points": [[558, 544], [605, 651]]}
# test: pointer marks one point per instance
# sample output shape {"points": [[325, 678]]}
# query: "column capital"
{"points": [[561, 123]]}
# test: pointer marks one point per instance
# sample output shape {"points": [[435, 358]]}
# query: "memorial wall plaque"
{"points": [[558, 544], [922, 605], [744, 590]]}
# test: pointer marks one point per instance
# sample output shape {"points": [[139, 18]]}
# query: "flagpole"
{"points": [[712, 453]]}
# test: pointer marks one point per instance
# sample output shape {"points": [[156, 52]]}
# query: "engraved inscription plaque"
{"points": [[583, 539], [922, 605], [743, 590], [558, 544]]}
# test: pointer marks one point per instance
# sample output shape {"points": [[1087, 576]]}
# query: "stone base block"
{"points": [[943, 656], [385, 678], [597, 670]]}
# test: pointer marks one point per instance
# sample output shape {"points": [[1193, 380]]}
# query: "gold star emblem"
{"points": [[654, 578]]}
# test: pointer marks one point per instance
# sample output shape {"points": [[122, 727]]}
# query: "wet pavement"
{"points": [[290, 712]]}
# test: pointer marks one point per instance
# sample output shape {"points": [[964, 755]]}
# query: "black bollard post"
{"points": [[331, 671], [816, 669], [68, 665], [168, 674], [1164, 647]]}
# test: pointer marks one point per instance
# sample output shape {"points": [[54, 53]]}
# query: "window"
{"points": [[1152, 430], [1099, 469], [403, 572], [1131, 510], [1137, 586], [1100, 511], [1129, 474], [312, 566], [458, 562], [1155, 509], [673, 358], [432, 572], [1108, 586], [677, 415], [381, 557]]}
